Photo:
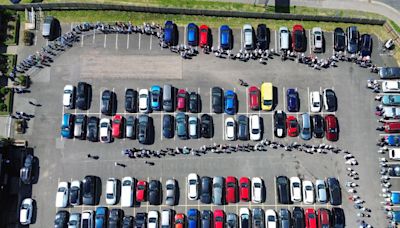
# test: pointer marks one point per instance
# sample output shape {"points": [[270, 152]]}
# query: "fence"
{"points": [[196, 12]]}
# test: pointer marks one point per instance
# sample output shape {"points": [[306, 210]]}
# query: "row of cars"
{"points": [[259, 38], [116, 218], [391, 102]]}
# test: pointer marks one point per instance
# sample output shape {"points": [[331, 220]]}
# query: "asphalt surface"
{"points": [[117, 62]]}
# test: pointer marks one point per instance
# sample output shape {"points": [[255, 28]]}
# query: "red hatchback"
{"points": [[254, 98], [292, 126], [392, 127], [204, 36], [141, 189], [311, 218], [323, 218], [182, 99], [219, 219], [117, 126], [331, 128], [231, 189], [244, 184]]}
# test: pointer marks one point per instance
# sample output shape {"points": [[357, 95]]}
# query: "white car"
{"points": [[230, 129], [111, 191], [320, 190], [25, 211], [127, 189], [317, 39], [244, 213], [394, 153], [255, 128], [308, 192], [152, 221], [193, 186], [315, 101], [166, 218], [284, 36], [105, 130], [270, 219], [248, 37], [144, 101], [391, 86], [62, 194], [69, 96], [256, 190], [88, 218], [193, 127], [391, 112], [295, 189]]}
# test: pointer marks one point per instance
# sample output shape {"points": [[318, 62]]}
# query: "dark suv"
{"points": [[282, 185], [144, 129], [217, 99], [83, 95], [107, 102], [89, 190]]}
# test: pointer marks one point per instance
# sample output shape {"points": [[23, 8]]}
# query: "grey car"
{"points": [[74, 220], [320, 190], [25, 172], [170, 199], [218, 189], [231, 220], [258, 218], [130, 127], [284, 218]]}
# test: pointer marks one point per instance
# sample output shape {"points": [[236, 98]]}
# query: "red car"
{"points": [[331, 128], [254, 98], [182, 98], [392, 127], [292, 126], [298, 38], [231, 189], [204, 36], [179, 221], [219, 219], [141, 190], [244, 184], [117, 126], [323, 218], [311, 218]]}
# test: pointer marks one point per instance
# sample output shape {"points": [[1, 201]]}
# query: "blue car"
{"points": [[156, 96], [193, 218], [292, 98], [393, 140], [101, 217], [181, 125], [67, 125], [395, 197], [192, 34], [230, 102], [169, 33], [225, 37]]}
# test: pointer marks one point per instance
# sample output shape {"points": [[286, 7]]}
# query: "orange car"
{"points": [[179, 221]]}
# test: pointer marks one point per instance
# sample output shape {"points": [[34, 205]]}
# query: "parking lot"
{"points": [[118, 62]]}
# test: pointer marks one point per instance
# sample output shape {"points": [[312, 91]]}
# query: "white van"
{"points": [[394, 153], [284, 38], [127, 189], [166, 221]]}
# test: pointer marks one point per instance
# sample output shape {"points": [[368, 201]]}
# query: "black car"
{"points": [[298, 217], [318, 126], [25, 173], [80, 126], [282, 185], [258, 218], [352, 39], [394, 170], [335, 194], [107, 102], [83, 95], [207, 126], [206, 219], [127, 222], [338, 219], [280, 124], [89, 190], [92, 132], [365, 45], [205, 190], [339, 39], [141, 220], [143, 129], [168, 126], [263, 34], [194, 102], [115, 218], [154, 192], [75, 195], [217, 99], [330, 101], [243, 127], [131, 100], [61, 219]]}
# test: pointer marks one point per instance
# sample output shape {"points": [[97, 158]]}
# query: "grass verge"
{"points": [[12, 30]]}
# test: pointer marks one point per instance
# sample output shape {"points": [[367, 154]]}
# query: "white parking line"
{"points": [[127, 42], [105, 40], [184, 35], [333, 44], [219, 35], [223, 125], [275, 195], [210, 112], [186, 191], [161, 130], [35, 40], [276, 41], [72, 25], [309, 41], [47, 42], [272, 129], [101, 91], [116, 41], [140, 37], [284, 100], [58, 182], [241, 38], [82, 36], [308, 99], [94, 36], [151, 41], [247, 99]]}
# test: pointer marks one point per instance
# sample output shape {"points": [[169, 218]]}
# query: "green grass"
{"points": [[11, 63], [395, 26], [12, 31]]}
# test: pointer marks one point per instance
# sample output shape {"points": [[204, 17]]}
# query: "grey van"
{"points": [[168, 98], [305, 132]]}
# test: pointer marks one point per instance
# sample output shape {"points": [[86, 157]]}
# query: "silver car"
{"points": [[74, 220], [320, 189], [231, 220], [248, 37], [258, 218], [171, 192], [218, 189]]}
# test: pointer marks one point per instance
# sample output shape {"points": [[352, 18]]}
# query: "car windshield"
{"points": [[204, 30], [321, 186], [110, 196], [126, 183], [117, 121], [62, 189], [257, 185], [193, 217], [254, 92], [103, 125], [67, 91], [170, 187], [231, 185], [192, 182], [311, 216], [308, 188], [143, 95], [216, 185], [73, 222], [230, 124], [141, 187], [219, 219], [106, 96], [255, 131], [293, 123], [332, 130], [316, 104], [271, 218], [267, 102], [244, 185], [152, 220], [296, 185]]}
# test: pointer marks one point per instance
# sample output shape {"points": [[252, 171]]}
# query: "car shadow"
{"points": [[177, 192], [98, 190], [275, 97], [35, 170], [210, 38]]}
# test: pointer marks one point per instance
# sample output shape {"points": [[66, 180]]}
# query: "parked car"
{"points": [[62, 194], [394, 153], [231, 220], [127, 191], [49, 28], [263, 37], [339, 40], [127, 222], [295, 189], [270, 218], [67, 125], [230, 129], [315, 101], [225, 37], [88, 218], [255, 128], [230, 102], [248, 43], [92, 132], [90, 184], [180, 221], [207, 126], [61, 219], [115, 218], [75, 193], [365, 45], [193, 183], [83, 95], [152, 221], [318, 126], [335, 194], [206, 219], [145, 126], [193, 218], [107, 102], [217, 99], [171, 191], [181, 125], [218, 190], [280, 123], [311, 218], [244, 189], [352, 39], [298, 38], [194, 102], [141, 191], [243, 128], [141, 220], [391, 86], [254, 98], [154, 192], [292, 126], [117, 126], [390, 100], [324, 217], [394, 170], [192, 34], [131, 100], [69, 96], [245, 218], [293, 101], [320, 191], [389, 72], [26, 172], [182, 100], [205, 35], [305, 132], [285, 218], [166, 218], [308, 192], [257, 190], [26, 211], [111, 191], [284, 38], [318, 40], [258, 218], [170, 33], [331, 128], [205, 190], [105, 130], [298, 217], [130, 127], [219, 219], [231, 189], [156, 97], [193, 127], [168, 126], [80, 126], [74, 220], [330, 100], [282, 185], [338, 219], [144, 101]]}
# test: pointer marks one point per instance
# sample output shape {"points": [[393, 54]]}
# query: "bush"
{"points": [[3, 107], [28, 38], [4, 91]]}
